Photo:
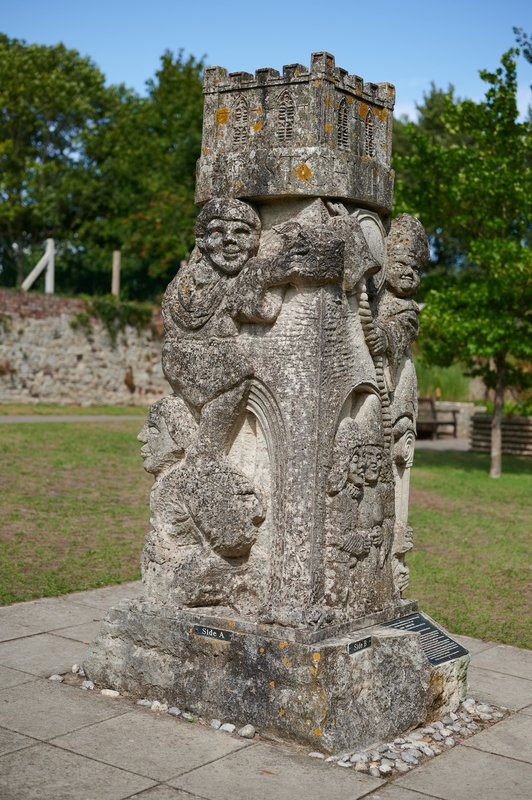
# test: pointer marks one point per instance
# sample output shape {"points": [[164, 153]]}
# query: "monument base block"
{"points": [[334, 695]]}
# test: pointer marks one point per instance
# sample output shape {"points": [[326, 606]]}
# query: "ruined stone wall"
{"points": [[43, 359]]}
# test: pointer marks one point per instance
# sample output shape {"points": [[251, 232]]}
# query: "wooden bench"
{"points": [[427, 420]]}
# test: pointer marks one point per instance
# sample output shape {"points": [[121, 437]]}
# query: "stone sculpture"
{"points": [[281, 461]]}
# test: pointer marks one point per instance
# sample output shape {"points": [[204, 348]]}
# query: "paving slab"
{"points": [[499, 688], [11, 741], [12, 677], [42, 655], [49, 773], [473, 645], [472, 774], [107, 596], [13, 630], [83, 633], [175, 746], [47, 614], [527, 710], [512, 737], [44, 709], [394, 792], [263, 772], [509, 660], [164, 793]]}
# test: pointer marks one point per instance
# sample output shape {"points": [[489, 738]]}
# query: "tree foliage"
{"points": [[474, 184], [97, 168]]}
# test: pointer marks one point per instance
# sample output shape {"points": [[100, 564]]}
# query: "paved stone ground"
{"points": [[58, 742]]}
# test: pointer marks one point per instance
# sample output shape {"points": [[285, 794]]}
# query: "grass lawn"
{"points": [[75, 512], [74, 507], [471, 567], [9, 409]]}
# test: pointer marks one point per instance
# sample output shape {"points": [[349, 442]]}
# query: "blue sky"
{"points": [[408, 43]]}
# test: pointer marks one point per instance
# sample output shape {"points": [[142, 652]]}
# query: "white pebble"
{"points": [[344, 764], [215, 723], [426, 750], [316, 755], [332, 758], [247, 732], [144, 702], [361, 766], [56, 678], [359, 757], [385, 769], [174, 711], [81, 672], [401, 766], [87, 685], [228, 727], [375, 772], [75, 668], [110, 692], [156, 706], [191, 718], [453, 716], [449, 741]]}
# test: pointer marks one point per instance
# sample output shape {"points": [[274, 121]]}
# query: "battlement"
{"points": [[318, 132], [322, 67]]}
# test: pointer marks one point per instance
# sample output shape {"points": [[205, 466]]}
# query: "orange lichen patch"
{"points": [[282, 712], [303, 172], [237, 186], [328, 127], [363, 110], [380, 113], [384, 146], [349, 99], [261, 649], [257, 126], [327, 101], [358, 90], [317, 732], [313, 670], [272, 683], [190, 629], [222, 116], [309, 722], [316, 656], [230, 622], [317, 83], [283, 644], [258, 110], [185, 289], [391, 91], [205, 151]]}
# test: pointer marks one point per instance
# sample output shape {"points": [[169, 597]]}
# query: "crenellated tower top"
{"points": [[318, 132]]}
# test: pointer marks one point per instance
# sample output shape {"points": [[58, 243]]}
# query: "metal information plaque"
{"points": [[356, 647], [437, 646], [213, 633]]}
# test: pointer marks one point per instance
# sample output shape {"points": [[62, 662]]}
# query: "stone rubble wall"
{"points": [[44, 360]]}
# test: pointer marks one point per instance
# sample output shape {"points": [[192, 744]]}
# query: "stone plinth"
{"points": [[317, 694]]}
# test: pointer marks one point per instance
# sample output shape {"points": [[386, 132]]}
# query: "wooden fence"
{"points": [[516, 434]]}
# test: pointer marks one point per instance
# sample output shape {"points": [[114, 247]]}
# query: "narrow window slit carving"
{"points": [[370, 142], [287, 111], [343, 126], [240, 125]]}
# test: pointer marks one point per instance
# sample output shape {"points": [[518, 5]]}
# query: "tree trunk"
{"points": [[496, 424]]}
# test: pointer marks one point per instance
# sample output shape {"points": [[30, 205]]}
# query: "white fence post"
{"points": [[115, 280], [47, 262]]}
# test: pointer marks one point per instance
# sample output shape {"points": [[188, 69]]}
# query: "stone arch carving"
{"points": [[240, 124], [342, 133], [287, 111]]}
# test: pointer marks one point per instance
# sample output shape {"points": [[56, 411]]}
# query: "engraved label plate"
{"points": [[356, 647], [437, 646], [213, 633]]}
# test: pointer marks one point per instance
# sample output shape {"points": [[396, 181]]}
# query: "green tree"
{"points": [[47, 95], [478, 185]]}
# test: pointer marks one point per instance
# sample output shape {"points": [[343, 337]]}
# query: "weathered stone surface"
{"points": [[282, 460], [316, 693]]}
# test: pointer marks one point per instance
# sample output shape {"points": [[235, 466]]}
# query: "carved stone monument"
{"points": [[282, 460]]}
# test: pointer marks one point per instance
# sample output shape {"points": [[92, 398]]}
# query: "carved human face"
{"points": [[402, 273], [373, 463], [159, 449], [357, 468], [229, 243]]}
